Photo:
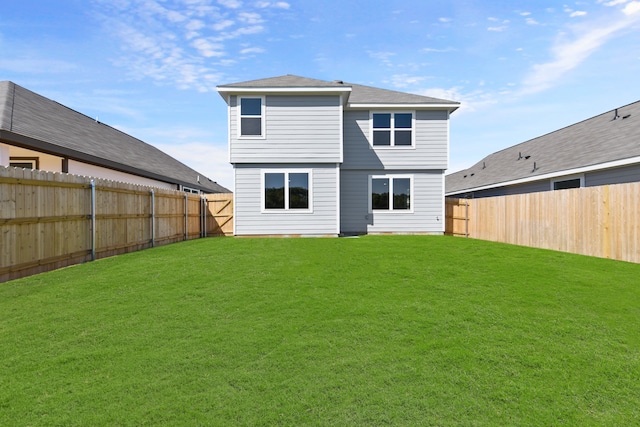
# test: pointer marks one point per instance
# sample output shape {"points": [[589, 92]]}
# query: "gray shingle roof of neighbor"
{"points": [[359, 94], [613, 136], [33, 121]]}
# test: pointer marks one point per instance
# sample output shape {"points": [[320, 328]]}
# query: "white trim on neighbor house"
{"points": [[391, 177], [286, 173], [392, 130], [551, 175]]}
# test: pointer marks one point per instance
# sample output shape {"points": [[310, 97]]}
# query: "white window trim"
{"points": [[263, 209], [263, 118], [391, 210], [567, 178], [392, 129]]}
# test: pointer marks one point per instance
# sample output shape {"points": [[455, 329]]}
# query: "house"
{"points": [[314, 157], [38, 133], [604, 149]]}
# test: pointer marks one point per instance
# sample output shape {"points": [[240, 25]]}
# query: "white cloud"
{"points": [[208, 48], [497, 29], [531, 21], [525, 13], [250, 18], [429, 50], [444, 20], [405, 80], [577, 13], [632, 8], [569, 53], [612, 2], [219, 26], [231, 4], [279, 4], [251, 50]]}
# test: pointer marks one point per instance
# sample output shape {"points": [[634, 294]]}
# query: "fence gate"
{"points": [[220, 214], [457, 217]]}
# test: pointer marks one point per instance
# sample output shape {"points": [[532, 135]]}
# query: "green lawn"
{"points": [[377, 330]]}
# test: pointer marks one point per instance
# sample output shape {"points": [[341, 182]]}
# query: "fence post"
{"points": [[466, 218], [93, 220], [153, 218], [186, 216]]}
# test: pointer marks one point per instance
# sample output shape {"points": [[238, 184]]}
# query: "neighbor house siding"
{"points": [[251, 220], [427, 204], [613, 176], [430, 151], [297, 129]]}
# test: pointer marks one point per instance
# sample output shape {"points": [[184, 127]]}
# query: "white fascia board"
{"points": [[551, 175], [230, 90], [450, 107]]}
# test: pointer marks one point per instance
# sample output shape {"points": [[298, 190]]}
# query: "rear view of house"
{"points": [[315, 157]]}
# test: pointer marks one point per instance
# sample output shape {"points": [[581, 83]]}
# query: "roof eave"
{"points": [[371, 106], [551, 175]]}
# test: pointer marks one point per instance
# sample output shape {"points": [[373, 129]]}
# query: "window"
{"points": [[25, 162], [392, 129], [251, 117], [287, 190], [568, 182], [391, 193]]}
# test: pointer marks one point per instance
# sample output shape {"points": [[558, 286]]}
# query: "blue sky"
{"points": [[150, 67]]}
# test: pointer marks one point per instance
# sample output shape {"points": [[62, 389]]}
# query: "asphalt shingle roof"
{"points": [[52, 127], [360, 94], [600, 139]]}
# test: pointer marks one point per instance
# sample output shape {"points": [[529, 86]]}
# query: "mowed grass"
{"points": [[377, 330]]}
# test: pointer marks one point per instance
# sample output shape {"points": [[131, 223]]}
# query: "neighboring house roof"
{"points": [[32, 121], [358, 96], [608, 140]]}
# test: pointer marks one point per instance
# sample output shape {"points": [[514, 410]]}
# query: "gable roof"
{"points": [[608, 140], [359, 96], [32, 121]]}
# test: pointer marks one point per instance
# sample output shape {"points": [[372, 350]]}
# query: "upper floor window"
{"points": [[251, 117], [392, 129]]}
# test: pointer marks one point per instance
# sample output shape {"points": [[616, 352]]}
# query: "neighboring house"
{"points": [[38, 133], [315, 157], [604, 149]]}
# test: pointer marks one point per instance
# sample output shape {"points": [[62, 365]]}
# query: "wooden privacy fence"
{"points": [[601, 221], [51, 220]]}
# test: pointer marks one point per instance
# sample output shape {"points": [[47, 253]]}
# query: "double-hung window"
{"points": [[391, 193], [392, 129], [251, 117], [286, 190]]}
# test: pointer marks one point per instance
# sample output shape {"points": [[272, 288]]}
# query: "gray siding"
{"points": [[431, 144], [298, 129], [427, 201], [613, 176], [249, 220]]}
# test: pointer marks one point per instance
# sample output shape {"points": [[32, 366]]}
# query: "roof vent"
{"points": [[626, 117], [340, 82], [615, 115]]}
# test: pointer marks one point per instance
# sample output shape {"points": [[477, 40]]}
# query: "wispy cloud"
{"points": [[570, 51], [152, 35]]}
